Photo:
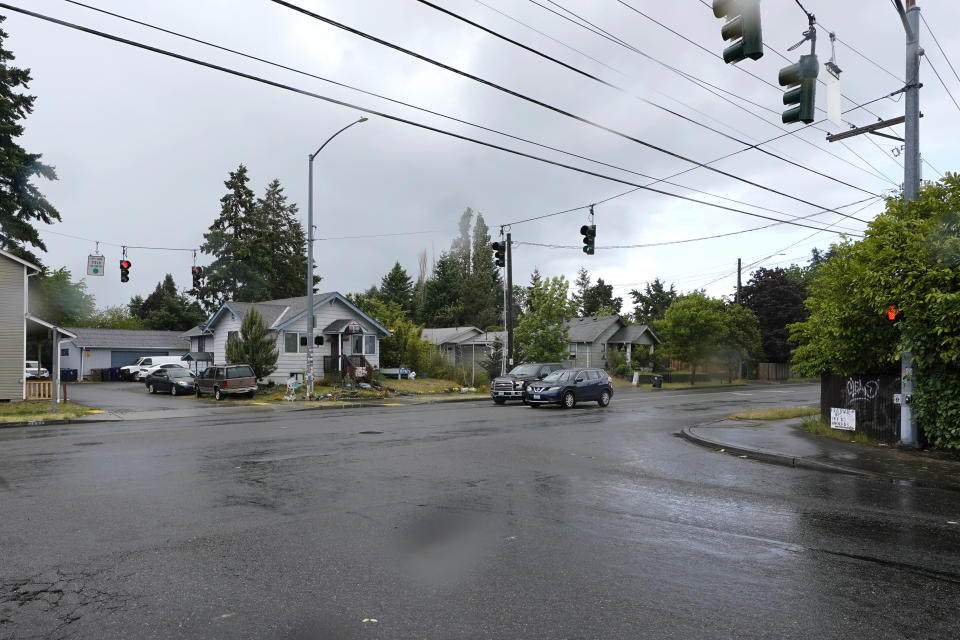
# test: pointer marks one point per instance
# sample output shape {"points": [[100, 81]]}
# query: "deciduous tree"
{"points": [[693, 330], [776, 298], [541, 334]]}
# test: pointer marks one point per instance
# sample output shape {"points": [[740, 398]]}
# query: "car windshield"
{"points": [[525, 370], [33, 364], [179, 372], [563, 375]]}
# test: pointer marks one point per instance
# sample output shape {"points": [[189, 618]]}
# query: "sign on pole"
{"points": [[95, 265]]}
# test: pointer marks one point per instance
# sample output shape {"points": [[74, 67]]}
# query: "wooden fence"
{"points": [[871, 397], [773, 371], [43, 390]]}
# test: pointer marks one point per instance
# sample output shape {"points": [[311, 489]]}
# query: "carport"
{"points": [[37, 328]]}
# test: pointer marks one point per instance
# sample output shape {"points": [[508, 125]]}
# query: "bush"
{"points": [[619, 365]]}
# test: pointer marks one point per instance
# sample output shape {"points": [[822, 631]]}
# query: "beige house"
{"points": [[16, 324]]}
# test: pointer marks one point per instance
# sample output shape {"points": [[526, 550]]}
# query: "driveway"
{"points": [[132, 397]]}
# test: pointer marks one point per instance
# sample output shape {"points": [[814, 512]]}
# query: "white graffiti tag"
{"points": [[860, 390]]}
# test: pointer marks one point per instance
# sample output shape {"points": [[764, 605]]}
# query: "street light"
{"points": [[310, 326]]}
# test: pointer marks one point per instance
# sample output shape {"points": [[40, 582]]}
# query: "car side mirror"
{"points": [[579, 379]]}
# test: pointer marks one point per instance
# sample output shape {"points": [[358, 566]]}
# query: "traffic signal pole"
{"points": [[509, 301], [911, 186]]}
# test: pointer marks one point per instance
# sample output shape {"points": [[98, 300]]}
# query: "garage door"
{"points": [[123, 358]]}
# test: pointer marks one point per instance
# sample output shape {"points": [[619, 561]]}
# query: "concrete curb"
{"points": [[773, 458], [43, 423]]}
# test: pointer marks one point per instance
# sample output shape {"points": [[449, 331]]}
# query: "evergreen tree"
{"points": [[443, 307], [598, 300], [21, 202], [285, 240], [237, 272], [483, 292], [460, 248], [652, 303], [166, 309], [256, 346], [397, 287], [580, 287]]}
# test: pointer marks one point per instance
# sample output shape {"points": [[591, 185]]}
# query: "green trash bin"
{"points": [[657, 381]]}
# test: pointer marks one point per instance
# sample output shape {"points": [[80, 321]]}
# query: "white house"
{"points": [[348, 338]]}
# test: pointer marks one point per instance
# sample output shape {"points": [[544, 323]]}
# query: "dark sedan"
{"points": [[175, 380], [567, 387]]}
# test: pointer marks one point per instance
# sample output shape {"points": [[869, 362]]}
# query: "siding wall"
{"points": [[12, 329], [593, 354]]}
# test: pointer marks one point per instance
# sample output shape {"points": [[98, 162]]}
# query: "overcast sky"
{"points": [[142, 143]]}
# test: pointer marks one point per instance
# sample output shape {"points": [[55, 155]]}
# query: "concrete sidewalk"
{"points": [[785, 442]]}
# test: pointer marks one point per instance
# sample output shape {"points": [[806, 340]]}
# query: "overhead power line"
{"points": [[545, 105], [432, 112], [942, 52], [583, 23], [384, 115], [595, 78], [945, 87]]}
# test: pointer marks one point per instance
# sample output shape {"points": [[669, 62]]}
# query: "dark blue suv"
{"points": [[567, 387]]}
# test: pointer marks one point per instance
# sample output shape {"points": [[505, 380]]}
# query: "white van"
{"points": [[138, 369]]}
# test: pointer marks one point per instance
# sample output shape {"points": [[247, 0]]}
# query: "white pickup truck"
{"points": [[32, 369]]}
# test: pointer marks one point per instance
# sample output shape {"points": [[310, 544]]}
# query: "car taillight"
{"points": [[255, 381], [224, 384]]}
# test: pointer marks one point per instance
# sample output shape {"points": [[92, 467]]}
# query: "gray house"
{"points": [[17, 324], [348, 338], [466, 347], [109, 348], [593, 339]]}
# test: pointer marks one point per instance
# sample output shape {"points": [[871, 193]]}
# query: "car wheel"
{"points": [[151, 388], [217, 393], [604, 398], [499, 400], [569, 400], [251, 394], [173, 389]]}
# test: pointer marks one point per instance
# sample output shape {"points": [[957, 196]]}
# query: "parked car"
{"points": [[142, 375], [510, 386], [230, 379], [567, 387], [32, 369], [176, 380], [134, 371]]}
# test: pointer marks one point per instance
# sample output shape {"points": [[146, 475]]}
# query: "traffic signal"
{"points": [[125, 270], [589, 232], [743, 23], [498, 253], [802, 78], [197, 275]]}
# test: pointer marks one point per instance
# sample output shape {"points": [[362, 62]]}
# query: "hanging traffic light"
{"points": [[197, 273], [802, 78], [125, 270], [743, 23], [499, 249], [589, 232]]}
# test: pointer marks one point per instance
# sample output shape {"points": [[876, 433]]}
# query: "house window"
{"points": [[294, 342], [232, 335], [356, 344], [64, 352], [369, 345]]}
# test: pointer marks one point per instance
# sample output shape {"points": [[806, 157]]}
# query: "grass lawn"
{"points": [[32, 410], [430, 385], [813, 424], [777, 413]]}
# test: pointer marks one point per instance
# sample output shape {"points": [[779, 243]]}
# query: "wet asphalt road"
{"points": [[460, 521]]}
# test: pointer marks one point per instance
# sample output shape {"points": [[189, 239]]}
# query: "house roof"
{"points": [[284, 311], [128, 339], [589, 329], [337, 325], [631, 333], [195, 331], [448, 335], [28, 265], [486, 338]]}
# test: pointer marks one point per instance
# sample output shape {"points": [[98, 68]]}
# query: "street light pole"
{"points": [[310, 326]]}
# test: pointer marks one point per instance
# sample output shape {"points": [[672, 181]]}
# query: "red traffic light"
{"points": [[125, 264], [197, 271], [892, 312]]}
